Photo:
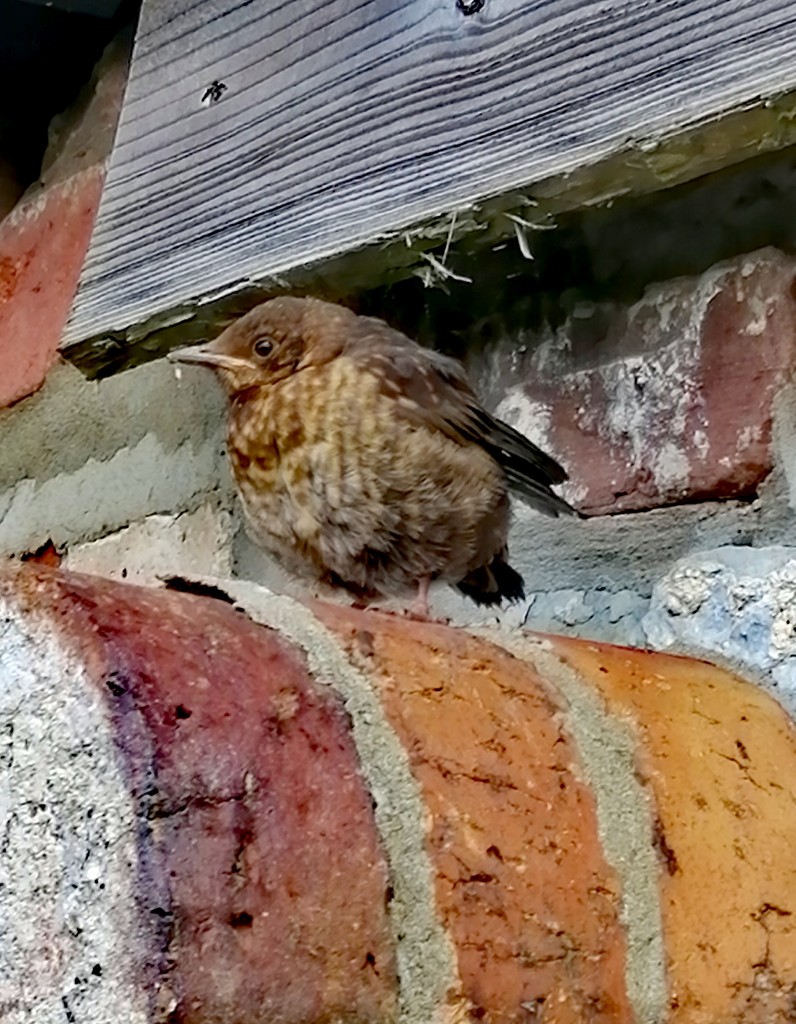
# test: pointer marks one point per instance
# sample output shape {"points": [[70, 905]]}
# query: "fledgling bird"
{"points": [[365, 460]]}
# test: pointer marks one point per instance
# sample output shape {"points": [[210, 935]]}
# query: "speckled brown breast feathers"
{"points": [[364, 459]]}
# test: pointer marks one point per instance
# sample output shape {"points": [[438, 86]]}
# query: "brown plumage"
{"points": [[366, 460]]}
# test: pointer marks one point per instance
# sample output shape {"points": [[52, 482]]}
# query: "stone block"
{"points": [[733, 603]]}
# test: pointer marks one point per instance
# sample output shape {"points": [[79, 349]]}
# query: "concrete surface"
{"points": [[737, 604], [189, 543]]}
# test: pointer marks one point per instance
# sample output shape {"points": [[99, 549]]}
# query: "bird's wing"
{"points": [[432, 390]]}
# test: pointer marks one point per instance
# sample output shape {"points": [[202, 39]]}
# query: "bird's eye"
{"points": [[263, 347]]}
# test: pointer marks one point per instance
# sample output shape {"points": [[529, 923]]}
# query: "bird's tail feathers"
{"points": [[539, 496], [489, 584]]}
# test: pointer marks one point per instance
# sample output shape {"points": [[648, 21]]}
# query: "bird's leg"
{"points": [[419, 609]]}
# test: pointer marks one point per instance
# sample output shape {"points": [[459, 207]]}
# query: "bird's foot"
{"points": [[417, 611], [419, 608], [414, 616]]}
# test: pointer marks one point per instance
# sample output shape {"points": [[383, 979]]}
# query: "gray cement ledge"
{"points": [[81, 458]]}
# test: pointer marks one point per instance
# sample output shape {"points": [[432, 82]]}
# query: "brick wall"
{"points": [[270, 811], [287, 812], [674, 415]]}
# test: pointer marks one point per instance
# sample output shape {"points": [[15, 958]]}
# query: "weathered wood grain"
{"points": [[344, 122]]}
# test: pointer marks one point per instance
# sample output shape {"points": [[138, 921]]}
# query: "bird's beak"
{"points": [[206, 355]]}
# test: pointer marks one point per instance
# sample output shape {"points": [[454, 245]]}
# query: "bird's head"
{"points": [[270, 342]]}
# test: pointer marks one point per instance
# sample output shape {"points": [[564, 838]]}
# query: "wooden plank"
{"points": [[344, 122]]}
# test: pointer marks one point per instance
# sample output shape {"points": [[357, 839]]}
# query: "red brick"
{"points": [[257, 831], [521, 881], [255, 839], [718, 756], [43, 242], [674, 402], [44, 239]]}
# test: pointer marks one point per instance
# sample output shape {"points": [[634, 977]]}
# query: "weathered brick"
{"points": [[42, 245], [718, 757], [43, 240], [591, 832], [258, 859], [670, 400], [82, 136], [521, 880]]}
